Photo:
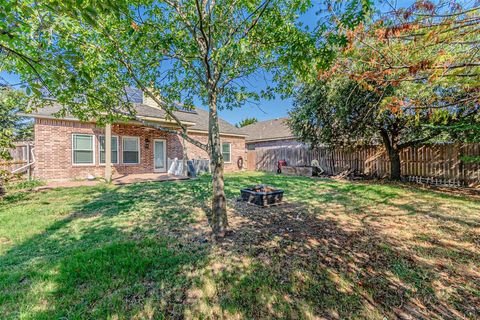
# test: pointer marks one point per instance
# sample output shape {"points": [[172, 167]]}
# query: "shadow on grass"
{"points": [[136, 251], [303, 266], [116, 255], [305, 263], [13, 198]]}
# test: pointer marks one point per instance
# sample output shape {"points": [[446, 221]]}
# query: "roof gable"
{"points": [[274, 129]]}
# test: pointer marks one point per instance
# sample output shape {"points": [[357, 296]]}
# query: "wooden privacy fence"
{"points": [[21, 155], [439, 164]]}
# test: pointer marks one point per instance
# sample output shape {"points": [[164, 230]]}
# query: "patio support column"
{"points": [[108, 152]]}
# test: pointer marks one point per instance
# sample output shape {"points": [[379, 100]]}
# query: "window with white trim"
{"points": [[227, 152], [131, 150], [83, 149], [101, 149]]}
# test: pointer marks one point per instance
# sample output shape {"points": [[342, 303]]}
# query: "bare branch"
{"points": [[437, 15]]}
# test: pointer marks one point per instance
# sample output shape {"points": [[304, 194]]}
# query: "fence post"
{"points": [[461, 166], [29, 170]]}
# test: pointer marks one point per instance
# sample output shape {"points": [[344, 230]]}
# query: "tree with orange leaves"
{"points": [[411, 76]]}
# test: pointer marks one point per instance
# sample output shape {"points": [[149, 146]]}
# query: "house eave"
{"points": [[41, 116], [221, 133], [271, 139], [162, 120], [169, 123]]}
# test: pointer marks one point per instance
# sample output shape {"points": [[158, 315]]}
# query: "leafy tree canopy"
{"points": [[87, 53], [246, 122], [13, 127], [409, 77], [92, 51], [427, 53]]}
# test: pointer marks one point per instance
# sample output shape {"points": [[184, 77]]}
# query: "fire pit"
{"points": [[262, 195]]}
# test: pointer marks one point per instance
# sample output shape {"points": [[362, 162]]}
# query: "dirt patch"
{"points": [[5, 241]]}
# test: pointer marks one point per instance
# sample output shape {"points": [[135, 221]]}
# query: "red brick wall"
{"points": [[53, 149], [237, 149]]}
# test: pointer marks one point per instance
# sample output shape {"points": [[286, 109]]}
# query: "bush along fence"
{"points": [[438, 164]]}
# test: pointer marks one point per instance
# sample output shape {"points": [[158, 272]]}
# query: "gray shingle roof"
{"points": [[275, 129], [198, 116]]}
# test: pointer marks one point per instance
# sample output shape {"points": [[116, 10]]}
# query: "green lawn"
{"points": [[334, 250]]}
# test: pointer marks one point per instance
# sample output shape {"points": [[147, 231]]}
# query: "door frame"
{"points": [[164, 155]]}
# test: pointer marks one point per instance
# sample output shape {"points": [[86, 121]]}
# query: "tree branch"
{"points": [[446, 15], [418, 141], [25, 59], [161, 104]]}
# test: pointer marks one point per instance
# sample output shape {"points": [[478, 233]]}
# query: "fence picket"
{"points": [[436, 164]]}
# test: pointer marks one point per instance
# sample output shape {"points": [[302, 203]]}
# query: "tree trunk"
{"points": [[218, 216], [395, 169], [390, 140], [2, 188]]}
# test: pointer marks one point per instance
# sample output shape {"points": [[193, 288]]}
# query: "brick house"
{"points": [[66, 148], [273, 133]]}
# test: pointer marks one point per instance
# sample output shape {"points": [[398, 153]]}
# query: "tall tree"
{"points": [[12, 127], [419, 65], [246, 122], [87, 52]]}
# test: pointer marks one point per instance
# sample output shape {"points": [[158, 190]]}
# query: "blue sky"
{"points": [[267, 109], [277, 108]]}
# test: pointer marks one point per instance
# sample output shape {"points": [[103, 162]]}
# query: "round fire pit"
{"points": [[262, 195]]}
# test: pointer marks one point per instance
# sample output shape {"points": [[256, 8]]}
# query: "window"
{"points": [[131, 150], [226, 151], [101, 148], [82, 149]]}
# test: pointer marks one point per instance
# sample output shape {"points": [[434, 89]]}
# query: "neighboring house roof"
{"points": [[270, 130], [197, 119]]}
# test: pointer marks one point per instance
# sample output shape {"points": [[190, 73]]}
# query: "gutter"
{"points": [[153, 119], [40, 116]]}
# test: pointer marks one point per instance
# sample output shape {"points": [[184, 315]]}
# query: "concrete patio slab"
{"points": [[145, 177], [116, 180]]}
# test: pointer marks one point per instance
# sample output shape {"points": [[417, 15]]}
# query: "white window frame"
{"points": [[93, 150], [123, 150], [229, 151], [118, 150]]}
